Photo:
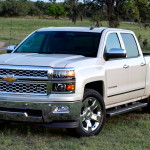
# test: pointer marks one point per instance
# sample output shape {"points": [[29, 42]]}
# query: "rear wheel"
{"points": [[147, 108], [92, 115]]}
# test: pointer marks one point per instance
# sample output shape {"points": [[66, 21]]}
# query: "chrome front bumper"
{"points": [[38, 112]]}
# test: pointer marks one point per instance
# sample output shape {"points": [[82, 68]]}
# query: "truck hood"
{"points": [[34, 59]]}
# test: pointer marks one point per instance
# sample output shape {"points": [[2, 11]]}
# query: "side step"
{"points": [[125, 109]]}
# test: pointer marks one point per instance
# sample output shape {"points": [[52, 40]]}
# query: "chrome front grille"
{"points": [[32, 80], [27, 73], [23, 88]]}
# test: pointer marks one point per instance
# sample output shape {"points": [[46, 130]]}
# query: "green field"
{"points": [[125, 132], [130, 131], [14, 30]]}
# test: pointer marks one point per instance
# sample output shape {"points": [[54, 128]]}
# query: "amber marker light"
{"points": [[70, 87]]}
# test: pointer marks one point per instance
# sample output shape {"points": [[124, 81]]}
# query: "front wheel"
{"points": [[92, 115]]}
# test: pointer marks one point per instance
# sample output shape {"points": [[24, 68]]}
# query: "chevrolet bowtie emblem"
{"points": [[9, 79]]}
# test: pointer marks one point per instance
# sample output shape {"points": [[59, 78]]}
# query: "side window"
{"points": [[130, 45], [112, 42]]}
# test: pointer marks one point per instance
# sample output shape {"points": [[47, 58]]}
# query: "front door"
{"points": [[117, 73]]}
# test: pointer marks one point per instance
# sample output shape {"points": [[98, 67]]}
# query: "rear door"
{"points": [[136, 63]]}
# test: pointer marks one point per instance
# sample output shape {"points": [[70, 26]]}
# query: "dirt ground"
{"points": [[2, 44]]}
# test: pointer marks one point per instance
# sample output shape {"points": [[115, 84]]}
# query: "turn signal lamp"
{"points": [[70, 87]]}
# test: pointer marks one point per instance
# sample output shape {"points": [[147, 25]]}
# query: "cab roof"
{"points": [[81, 29], [78, 29]]}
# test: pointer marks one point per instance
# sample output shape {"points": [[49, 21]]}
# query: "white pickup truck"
{"points": [[73, 77]]}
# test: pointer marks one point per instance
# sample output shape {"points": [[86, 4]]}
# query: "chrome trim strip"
{"points": [[27, 81], [26, 77], [24, 93], [40, 68], [126, 92]]}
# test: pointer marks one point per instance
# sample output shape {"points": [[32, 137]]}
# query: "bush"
{"points": [[55, 10], [145, 43]]}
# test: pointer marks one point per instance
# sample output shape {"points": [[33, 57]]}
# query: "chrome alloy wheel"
{"points": [[91, 114]]}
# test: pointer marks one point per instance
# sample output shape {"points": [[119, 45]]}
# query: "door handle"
{"points": [[126, 66], [142, 64]]}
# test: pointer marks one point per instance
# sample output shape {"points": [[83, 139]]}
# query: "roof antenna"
{"points": [[91, 28]]}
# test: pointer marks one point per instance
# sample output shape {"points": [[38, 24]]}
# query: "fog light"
{"points": [[60, 109]]}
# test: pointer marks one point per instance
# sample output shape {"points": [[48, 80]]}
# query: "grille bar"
{"points": [[28, 73], [23, 88]]}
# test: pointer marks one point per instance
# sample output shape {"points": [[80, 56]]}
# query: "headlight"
{"points": [[64, 87], [68, 74], [63, 80]]}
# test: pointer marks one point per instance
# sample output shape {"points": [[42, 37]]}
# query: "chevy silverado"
{"points": [[73, 77]]}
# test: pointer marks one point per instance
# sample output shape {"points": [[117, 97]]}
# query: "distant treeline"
{"points": [[96, 10]]}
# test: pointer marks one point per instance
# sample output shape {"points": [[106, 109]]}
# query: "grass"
{"points": [[14, 30], [125, 132], [130, 131]]}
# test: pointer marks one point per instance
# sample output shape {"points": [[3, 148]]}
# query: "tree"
{"points": [[42, 6], [75, 9], [144, 10], [1, 7], [19, 8], [95, 11], [55, 10]]}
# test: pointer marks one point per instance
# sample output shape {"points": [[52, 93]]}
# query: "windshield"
{"points": [[61, 42]]}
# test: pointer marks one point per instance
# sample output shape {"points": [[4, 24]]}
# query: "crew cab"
{"points": [[73, 77]]}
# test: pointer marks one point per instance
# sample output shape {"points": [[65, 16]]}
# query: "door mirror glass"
{"points": [[115, 53], [11, 48]]}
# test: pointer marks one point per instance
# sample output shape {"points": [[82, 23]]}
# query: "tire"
{"points": [[93, 114], [147, 108], [4, 124]]}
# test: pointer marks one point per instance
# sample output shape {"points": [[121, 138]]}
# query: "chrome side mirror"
{"points": [[115, 53], [11, 48]]}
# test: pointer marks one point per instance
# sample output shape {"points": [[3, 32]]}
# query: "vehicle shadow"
{"points": [[30, 129], [38, 130]]}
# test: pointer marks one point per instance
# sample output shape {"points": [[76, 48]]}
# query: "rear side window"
{"points": [[112, 42], [130, 45]]}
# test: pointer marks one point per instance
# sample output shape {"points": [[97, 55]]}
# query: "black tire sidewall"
{"points": [[93, 93]]}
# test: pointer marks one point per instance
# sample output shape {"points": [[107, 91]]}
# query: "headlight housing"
{"points": [[63, 80], [63, 74]]}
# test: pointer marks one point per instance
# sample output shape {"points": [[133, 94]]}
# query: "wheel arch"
{"points": [[96, 85]]}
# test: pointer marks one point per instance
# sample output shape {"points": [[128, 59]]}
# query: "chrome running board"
{"points": [[125, 109]]}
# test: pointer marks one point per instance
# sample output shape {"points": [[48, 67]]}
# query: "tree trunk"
{"points": [[112, 18]]}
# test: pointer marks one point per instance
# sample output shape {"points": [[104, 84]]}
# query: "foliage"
{"points": [[145, 43], [42, 6], [19, 8], [132, 10], [75, 9], [55, 10], [1, 9], [114, 11]]}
